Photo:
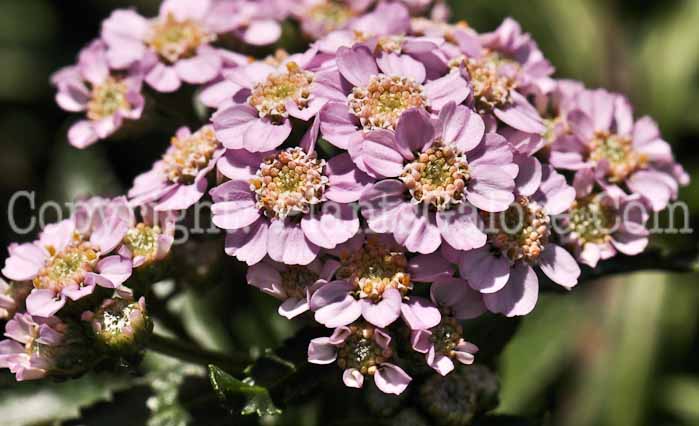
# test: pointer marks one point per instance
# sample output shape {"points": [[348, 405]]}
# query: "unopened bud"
{"points": [[121, 325]]}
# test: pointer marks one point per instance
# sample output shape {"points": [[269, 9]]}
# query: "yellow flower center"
{"points": [[390, 44], [491, 87], [271, 96], [173, 40], [381, 103], [375, 268], [69, 266], [187, 156], [619, 153], [289, 183], [521, 231], [107, 98], [331, 15], [142, 241], [361, 352], [437, 177], [591, 220]]}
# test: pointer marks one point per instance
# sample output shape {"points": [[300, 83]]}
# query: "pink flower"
{"points": [[358, 93], [373, 279], [106, 98], [179, 179], [442, 172], [621, 152], [287, 204], [29, 351], [149, 240], [66, 264], [321, 17], [520, 239], [173, 47], [258, 117], [441, 341], [600, 223], [292, 284], [12, 296], [361, 350]]}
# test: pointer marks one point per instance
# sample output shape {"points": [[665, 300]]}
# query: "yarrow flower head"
{"points": [[180, 178], [106, 97], [372, 281], [258, 118], [173, 47], [68, 261], [293, 285], [287, 204], [519, 239], [440, 337], [321, 17], [38, 347], [436, 177], [361, 350], [380, 91], [621, 152], [601, 223]]}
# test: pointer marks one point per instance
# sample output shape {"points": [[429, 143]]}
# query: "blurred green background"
{"points": [[622, 351]]}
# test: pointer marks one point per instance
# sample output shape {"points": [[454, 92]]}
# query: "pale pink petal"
{"points": [[519, 296], [288, 244], [321, 351], [356, 64], [334, 224], [420, 314], [483, 271], [248, 245], [353, 378], [44, 303], [391, 379], [385, 312]]}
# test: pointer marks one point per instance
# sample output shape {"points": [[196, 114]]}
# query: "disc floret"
{"points": [[108, 98], [68, 266], [289, 183], [380, 104], [591, 220], [361, 351], [375, 268], [188, 155], [521, 231], [491, 84], [619, 153], [173, 39], [437, 177], [272, 96]]}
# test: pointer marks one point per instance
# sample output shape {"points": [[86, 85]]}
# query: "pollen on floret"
{"points": [[173, 40], [289, 183], [619, 154], [108, 98], [437, 177], [375, 268], [188, 155], [380, 104], [142, 241], [272, 96], [521, 231], [390, 44], [591, 220], [360, 350], [492, 77], [68, 266]]}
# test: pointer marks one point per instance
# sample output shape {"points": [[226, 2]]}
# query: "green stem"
{"points": [[231, 362]]}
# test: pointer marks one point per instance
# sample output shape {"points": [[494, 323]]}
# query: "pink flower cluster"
{"points": [[400, 174]]}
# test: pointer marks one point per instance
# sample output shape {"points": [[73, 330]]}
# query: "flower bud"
{"points": [[456, 399], [121, 325]]}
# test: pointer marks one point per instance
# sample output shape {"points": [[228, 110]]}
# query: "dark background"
{"points": [[622, 351]]}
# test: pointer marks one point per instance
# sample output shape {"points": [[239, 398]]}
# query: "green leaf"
{"points": [[230, 390], [42, 402]]}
